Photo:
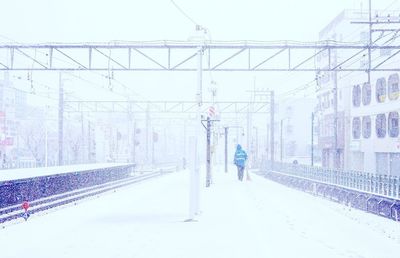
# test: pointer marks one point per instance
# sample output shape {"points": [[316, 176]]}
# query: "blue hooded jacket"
{"points": [[240, 156]]}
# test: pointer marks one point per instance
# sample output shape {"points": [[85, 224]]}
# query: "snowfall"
{"points": [[253, 218]]}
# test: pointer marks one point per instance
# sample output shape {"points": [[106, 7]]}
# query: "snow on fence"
{"points": [[378, 194], [14, 191]]}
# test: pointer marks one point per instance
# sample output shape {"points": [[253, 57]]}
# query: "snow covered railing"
{"points": [[23, 185], [377, 194], [44, 204], [385, 185]]}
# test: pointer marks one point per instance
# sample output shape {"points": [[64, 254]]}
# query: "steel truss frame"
{"points": [[181, 56], [165, 107]]}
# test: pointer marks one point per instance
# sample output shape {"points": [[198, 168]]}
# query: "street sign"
{"points": [[211, 112]]}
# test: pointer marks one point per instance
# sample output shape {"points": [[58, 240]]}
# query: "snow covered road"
{"points": [[257, 218]]}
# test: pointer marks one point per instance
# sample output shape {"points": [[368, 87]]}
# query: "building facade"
{"points": [[365, 134]]}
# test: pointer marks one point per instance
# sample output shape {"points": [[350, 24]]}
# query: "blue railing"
{"points": [[378, 194], [384, 185]]}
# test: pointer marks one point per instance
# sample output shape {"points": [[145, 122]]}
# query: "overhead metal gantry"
{"points": [[181, 56], [164, 107]]}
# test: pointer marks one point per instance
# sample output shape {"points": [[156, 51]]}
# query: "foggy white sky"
{"points": [[76, 20], [102, 21]]}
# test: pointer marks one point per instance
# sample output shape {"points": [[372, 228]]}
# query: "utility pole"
{"points": [[60, 120], [147, 134], [267, 142], [370, 41], [208, 165], [281, 140], [195, 173], [184, 145], [134, 142], [270, 127], [272, 121], [82, 140], [46, 143], [152, 146], [335, 117], [46, 147], [256, 146], [248, 131], [226, 149], [312, 139], [89, 143]]}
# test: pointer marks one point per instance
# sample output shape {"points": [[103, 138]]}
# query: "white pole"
{"points": [[195, 173]]}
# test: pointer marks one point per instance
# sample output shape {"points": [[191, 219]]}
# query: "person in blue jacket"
{"points": [[240, 161]]}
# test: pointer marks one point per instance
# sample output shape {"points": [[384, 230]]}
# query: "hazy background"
{"points": [[103, 21]]}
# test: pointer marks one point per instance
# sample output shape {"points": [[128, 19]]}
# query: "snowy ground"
{"points": [[256, 218]]}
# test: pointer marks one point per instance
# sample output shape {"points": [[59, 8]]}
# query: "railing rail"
{"points": [[384, 185]]}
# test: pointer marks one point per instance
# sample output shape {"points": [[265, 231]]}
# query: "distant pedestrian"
{"points": [[25, 206], [240, 161]]}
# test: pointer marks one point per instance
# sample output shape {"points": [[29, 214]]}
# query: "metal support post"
{"points": [[272, 122], [134, 143], [152, 147], [147, 135], [184, 145], [312, 139], [281, 148], [195, 173], [60, 121], [370, 41], [226, 149], [208, 165], [83, 137], [89, 143]]}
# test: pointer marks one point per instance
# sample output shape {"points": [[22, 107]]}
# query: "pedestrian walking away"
{"points": [[240, 161]]}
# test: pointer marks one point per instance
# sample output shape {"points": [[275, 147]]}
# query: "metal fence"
{"points": [[384, 185]]}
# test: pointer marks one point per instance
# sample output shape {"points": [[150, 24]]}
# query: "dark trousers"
{"points": [[240, 172]]}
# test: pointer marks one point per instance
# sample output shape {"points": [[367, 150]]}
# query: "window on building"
{"points": [[366, 93], [356, 128], [380, 125], [366, 126], [380, 90], [356, 95], [393, 124], [382, 163], [393, 86], [395, 164]]}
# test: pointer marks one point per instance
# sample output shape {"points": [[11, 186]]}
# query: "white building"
{"points": [[367, 114]]}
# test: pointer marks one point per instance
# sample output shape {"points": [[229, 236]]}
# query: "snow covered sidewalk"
{"points": [[257, 218]]}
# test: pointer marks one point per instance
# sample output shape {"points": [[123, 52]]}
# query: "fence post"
{"points": [[373, 183], [385, 185], [359, 180], [365, 182]]}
